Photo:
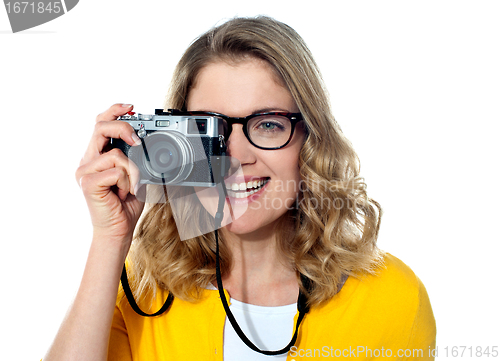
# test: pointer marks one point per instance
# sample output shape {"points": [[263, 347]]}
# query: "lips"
{"points": [[245, 189]]}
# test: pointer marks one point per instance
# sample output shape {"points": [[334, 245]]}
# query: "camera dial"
{"points": [[141, 133]]}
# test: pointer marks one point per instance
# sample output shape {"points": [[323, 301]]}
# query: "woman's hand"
{"points": [[108, 179]]}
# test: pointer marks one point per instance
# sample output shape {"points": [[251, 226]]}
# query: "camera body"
{"points": [[177, 149]]}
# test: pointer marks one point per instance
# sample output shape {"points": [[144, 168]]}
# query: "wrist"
{"points": [[114, 247]]}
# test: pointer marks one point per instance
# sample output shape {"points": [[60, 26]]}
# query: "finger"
{"points": [[112, 159], [114, 111], [103, 131], [99, 184]]}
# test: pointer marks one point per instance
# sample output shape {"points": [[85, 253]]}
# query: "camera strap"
{"points": [[124, 278], [134, 305], [302, 306]]}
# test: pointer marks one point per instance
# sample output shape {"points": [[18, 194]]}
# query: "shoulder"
{"points": [[406, 297], [393, 278], [393, 283], [390, 307], [393, 289]]}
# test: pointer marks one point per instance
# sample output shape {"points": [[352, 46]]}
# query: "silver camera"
{"points": [[177, 148]]}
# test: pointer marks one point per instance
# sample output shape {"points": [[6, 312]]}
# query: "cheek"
{"points": [[287, 175], [287, 162]]}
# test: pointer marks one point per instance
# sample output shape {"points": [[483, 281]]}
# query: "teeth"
{"points": [[251, 186], [243, 194]]}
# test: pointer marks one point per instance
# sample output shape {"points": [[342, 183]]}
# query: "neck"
{"points": [[259, 274]]}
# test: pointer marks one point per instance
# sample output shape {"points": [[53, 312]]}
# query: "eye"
{"points": [[269, 130], [266, 124], [270, 126]]}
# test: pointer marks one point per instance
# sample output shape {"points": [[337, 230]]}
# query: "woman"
{"points": [[307, 227]]}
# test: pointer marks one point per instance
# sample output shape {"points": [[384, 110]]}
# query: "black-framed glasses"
{"points": [[270, 130]]}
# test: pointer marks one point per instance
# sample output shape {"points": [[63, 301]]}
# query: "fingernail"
{"points": [[136, 139], [126, 105]]}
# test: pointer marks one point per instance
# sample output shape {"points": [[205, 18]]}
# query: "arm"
{"points": [[107, 180], [119, 344], [423, 334]]}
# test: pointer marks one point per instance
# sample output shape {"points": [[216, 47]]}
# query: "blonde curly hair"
{"points": [[335, 223]]}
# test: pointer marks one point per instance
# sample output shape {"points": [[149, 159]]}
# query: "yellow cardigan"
{"points": [[387, 315]]}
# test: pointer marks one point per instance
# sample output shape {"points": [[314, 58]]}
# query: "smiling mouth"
{"points": [[243, 190]]}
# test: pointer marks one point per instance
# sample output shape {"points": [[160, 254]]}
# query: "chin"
{"points": [[254, 223]]}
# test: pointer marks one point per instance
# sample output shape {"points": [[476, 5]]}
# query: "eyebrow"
{"points": [[261, 110], [267, 110]]}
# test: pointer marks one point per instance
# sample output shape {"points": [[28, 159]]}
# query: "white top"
{"points": [[269, 328]]}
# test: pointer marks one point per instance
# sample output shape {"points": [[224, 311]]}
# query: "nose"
{"points": [[239, 147]]}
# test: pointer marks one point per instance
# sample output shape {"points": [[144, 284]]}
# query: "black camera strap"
{"points": [[124, 278], [302, 306], [301, 302], [134, 305]]}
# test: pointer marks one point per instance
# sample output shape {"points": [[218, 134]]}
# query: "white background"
{"points": [[414, 85]]}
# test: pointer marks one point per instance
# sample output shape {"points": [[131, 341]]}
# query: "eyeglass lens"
{"points": [[268, 131]]}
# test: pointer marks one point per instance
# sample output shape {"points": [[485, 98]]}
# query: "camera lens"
{"points": [[163, 157], [168, 157]]}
